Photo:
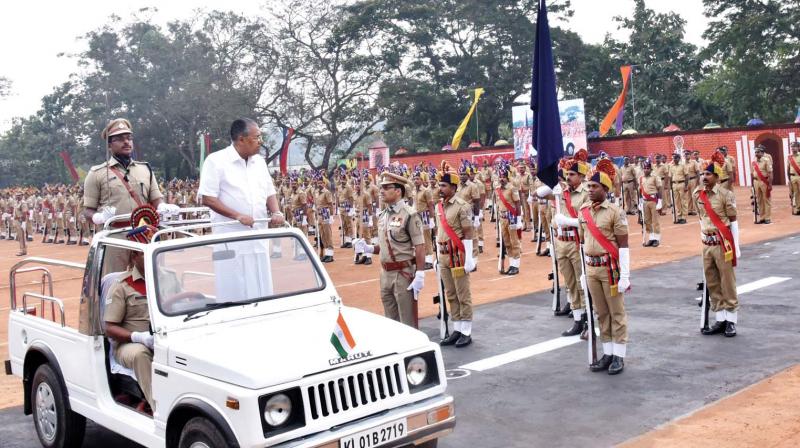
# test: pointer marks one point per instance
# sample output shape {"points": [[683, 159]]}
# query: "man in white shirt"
{"points": [[236, 185]]}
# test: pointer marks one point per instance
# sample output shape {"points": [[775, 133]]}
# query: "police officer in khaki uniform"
{"points": [[677, 179], [650, 192], [730, 169], [509, 210], [692, 180], [364, 213], [323, 200], [720, 238], [20, 217], [661, 171], [119, 185], [762, 180], [454, 241], [401, 246], [794, 177], [423, 205], [607, 275], [629, 185], [344, 195]]}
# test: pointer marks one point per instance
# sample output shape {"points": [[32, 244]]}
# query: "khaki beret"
{"points": [[116, 126]]}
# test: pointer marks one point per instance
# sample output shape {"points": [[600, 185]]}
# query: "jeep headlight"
{"points": [[421, 371], [416, 371], [277, 410]]}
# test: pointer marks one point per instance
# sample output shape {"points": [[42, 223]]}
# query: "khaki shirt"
{"points": [[692, 168], [611, 221], [661, 171], [126, 306], [458, 214], [723, 202], [468, 191], [422, 199], [650, 184], [677, 172], [400, 229], [102, 187], [628, 173], [730, 166], [345, 196], [577, 197], [511, 195], [765, 165], [324, 199], [792, 170]]}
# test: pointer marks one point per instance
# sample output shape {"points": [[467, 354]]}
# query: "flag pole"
{"points": [[633, 98]]}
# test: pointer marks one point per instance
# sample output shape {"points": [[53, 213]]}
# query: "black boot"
{"points": [[452, 339], [428, 266], [512, 271], [717, 328], [563, 311], [480, 249], [654, 243], [730, 329], [577, 327], [367, 261], [463, 341], [617, 365], [360, 259], [601, 364]]}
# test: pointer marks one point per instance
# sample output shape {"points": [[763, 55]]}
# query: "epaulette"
{"points": [[97, 167]]}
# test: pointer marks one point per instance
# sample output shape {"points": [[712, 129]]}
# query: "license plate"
{"points": [[378, 436]]}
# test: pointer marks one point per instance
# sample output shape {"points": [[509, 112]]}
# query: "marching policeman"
{"points": [[651, 192], [762, 180], [794, 178], [677, 180], [401, 246]]}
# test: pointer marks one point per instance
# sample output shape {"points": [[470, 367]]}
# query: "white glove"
{"points": [[530, 198], [60, 215], [624, 269], [167, 210], [6, 215], [480, 215], [640, 206], [359, 245], [469, 262], [72, 220], [431, 224], [142, 337], [305, 220], [557, 189], [104, 215], [329, 220], [565, 221], [476, 222], [659, 205], [583, 282], [49, 216], [351, 213], [418, 283], [543, 191], [735, 232]]}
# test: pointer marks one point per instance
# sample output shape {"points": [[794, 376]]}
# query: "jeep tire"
{"points": [[429, 444], [56, 425], [200, 432]]}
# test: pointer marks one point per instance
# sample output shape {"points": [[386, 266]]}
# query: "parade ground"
{"points": [[521, 385]]}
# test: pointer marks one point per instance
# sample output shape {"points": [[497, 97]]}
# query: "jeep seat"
{"points": [[105, 288]]}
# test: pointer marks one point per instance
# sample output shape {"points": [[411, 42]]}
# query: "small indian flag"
{"points": [[341, 338]]}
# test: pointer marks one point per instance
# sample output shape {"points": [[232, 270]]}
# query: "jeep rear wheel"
{"points": [[200, 432], [56, 425]]}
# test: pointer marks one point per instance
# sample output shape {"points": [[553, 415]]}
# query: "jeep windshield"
{"points": [[210, 276]]}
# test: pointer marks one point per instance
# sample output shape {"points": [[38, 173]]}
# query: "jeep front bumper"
{"points": [[428, 419]]}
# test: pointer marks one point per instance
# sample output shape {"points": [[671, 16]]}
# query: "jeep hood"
{"points": [[279, 348]]}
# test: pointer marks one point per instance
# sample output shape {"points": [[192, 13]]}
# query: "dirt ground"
{"points": [[358, 286]]}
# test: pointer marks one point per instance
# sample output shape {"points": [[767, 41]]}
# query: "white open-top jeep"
{"points": [[249, 351]]}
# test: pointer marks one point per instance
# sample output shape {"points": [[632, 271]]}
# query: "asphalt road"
{"points": [[552, 399]]}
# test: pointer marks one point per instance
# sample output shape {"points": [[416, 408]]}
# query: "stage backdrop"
{"points": [[573, 128]]}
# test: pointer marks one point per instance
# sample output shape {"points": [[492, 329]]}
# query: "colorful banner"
{"points": [[284, 158], [464, 123], [617, 111], [68, 162], [573, 128]]}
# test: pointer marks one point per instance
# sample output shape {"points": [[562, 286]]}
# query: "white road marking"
{"points": [[357, 283], [502, 278], [758, 284], [521, 353], [795, 252]]}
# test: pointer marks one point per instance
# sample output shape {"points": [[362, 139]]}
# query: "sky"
{"points": [[36, 34]]}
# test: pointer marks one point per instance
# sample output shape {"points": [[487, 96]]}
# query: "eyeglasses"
{"points": [[388, 187], [122, 138]]}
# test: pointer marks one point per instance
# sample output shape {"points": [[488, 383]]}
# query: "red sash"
{"points": [[794, 165], [763, 178], [724, 230], [509, 208], [138, 285], [121, 178], [449, 230], [612, 250], [568, 202], [644, 194]]}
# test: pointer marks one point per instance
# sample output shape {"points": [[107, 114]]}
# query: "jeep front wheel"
{"points": [[56, 425], [200, 432]]}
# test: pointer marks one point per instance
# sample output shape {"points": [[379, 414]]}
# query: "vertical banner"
{"points": [[573, 128], [68, 162], [617, 111], [465, 122], [287, 140]]}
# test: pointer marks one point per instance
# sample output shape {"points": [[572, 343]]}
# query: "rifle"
{"points": [[674, 207], [705, 303], [440, 298], [622, 196], [539, 230], [755, 202], [556, 289], [501, 255], [590, 335], [493, 218], [497, 232], [640, 215]]}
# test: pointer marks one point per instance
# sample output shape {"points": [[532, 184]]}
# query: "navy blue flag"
{"points": [[544, 103]]}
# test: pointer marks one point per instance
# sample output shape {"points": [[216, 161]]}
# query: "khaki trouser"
{"points": [[691, 204], [19, 227], [457, 291], [545, 213], [526, 209], [325, 234], [630, 196], [535, 215], [610, 310], [720, 279], [668, 199], [346, 222], [398, 301], [650, 215], [727, 184], [680, 199], [364, 230], [426, 234], [569, 265], [139, 358], [795, 186], [510, 239], [764, 203]]}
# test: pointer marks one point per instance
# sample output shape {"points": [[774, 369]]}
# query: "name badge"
{"points": [[396, 221]]}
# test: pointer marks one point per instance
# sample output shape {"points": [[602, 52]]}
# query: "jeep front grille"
{"points": [[358, 389]]}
